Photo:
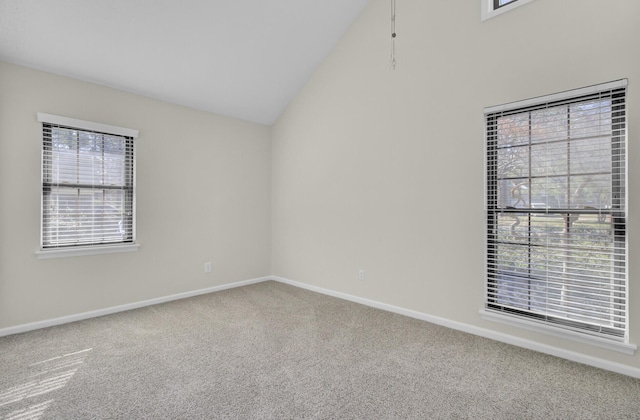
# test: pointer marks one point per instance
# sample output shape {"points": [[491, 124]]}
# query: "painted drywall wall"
{"points": [[202, 195], [383, 170]]}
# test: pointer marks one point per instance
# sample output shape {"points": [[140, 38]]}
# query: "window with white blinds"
{"points": [[87, 184], [557, 210]]}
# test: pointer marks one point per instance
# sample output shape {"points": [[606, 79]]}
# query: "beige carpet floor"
{"points": [[272, 351]]}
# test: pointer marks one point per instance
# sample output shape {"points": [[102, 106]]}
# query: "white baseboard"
{"points": [[121, 308], [482, 332]]}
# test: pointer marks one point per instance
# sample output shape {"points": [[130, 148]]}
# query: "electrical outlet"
{"points": [[361, 274], [208, 267]]}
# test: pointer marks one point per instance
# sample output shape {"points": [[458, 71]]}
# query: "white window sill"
{"points": [[89, 250], [568, 334]]}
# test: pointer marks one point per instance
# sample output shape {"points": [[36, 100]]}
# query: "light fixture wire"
{"points": [[393, 34]]}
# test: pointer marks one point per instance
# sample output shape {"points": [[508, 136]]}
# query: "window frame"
{"points": [[98, 248], [497, 5], [491, 8], [618, 177]]}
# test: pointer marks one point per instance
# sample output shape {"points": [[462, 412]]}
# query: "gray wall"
{"points": [[383, 170], [202, 195]]}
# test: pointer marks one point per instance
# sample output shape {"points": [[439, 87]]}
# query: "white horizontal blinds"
{"points": [[87, 187], [556, 201]]}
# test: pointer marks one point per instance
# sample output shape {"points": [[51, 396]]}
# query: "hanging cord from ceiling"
{"points": [[393, 34]]}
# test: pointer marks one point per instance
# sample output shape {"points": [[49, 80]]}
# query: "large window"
{"points": [[87, 185], [556, 210]]}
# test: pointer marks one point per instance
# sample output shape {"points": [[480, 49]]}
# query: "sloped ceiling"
{"points": [[241, 58]]}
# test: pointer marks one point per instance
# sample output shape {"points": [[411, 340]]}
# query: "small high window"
{"points": [[491, 8], [500, 3]]}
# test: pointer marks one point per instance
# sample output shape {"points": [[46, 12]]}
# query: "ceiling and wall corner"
{"points": [[240, 58]]}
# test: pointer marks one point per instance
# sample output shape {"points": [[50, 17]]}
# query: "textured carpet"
{"points": [[272, 351]]}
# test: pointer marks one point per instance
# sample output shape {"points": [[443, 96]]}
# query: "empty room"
{"points": [[364, 209]]}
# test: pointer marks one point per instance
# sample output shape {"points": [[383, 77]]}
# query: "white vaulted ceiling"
{"points": [[241, 58]]}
